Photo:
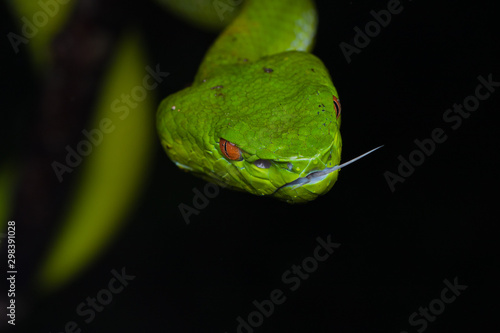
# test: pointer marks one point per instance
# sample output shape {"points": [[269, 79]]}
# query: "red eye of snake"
{"points": [[338, 108], [229, 150]]}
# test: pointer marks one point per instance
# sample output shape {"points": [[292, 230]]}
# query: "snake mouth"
{"points": [[311, 178], [317, 176]]}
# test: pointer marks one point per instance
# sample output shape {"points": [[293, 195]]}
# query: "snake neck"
{"points": [[263, 28]]}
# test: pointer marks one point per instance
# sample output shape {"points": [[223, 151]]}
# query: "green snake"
{"points": [[262, 114]]}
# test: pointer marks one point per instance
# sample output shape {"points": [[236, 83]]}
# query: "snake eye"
{"points": [[338, 108], [229, 150]]}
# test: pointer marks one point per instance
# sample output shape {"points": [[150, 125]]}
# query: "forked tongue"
{"points": [[340, 166]]}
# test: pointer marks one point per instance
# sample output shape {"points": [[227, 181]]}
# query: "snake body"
{"points": [[262, 114]]}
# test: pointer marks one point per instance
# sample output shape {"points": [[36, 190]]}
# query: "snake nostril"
{"points": [[263, 164]]}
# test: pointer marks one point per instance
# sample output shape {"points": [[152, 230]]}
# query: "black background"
{"points": [[396, 247]]}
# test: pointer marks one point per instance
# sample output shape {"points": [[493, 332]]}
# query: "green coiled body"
{"points": [[261, 90]]}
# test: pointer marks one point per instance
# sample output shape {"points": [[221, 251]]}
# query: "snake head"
{"points": [[270, 127]]}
